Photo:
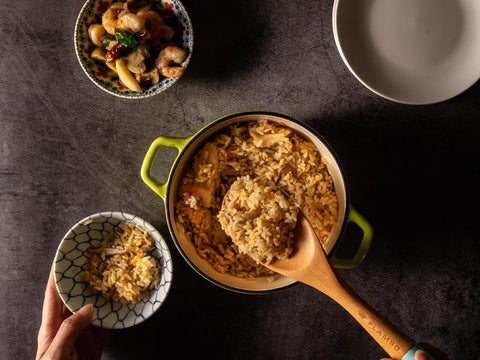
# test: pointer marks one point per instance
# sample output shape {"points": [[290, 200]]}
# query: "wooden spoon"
{"points": [[309, 264]]}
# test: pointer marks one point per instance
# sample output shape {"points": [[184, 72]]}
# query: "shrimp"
{"points": [[109, 19], [169, 55], [130, 22], [153, 22], [118, 18]]}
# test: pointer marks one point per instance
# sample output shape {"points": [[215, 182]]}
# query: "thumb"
{"points": [[70, 330], [420, 355]]}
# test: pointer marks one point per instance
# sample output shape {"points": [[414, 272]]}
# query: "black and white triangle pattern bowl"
{"points": [[75, 292]]}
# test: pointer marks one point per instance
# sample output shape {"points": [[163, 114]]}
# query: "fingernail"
{"points": [[86, 310], [420, 355]]}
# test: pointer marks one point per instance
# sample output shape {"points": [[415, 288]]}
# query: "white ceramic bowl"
{"points": [[91, 13], [410, 51], [75, 292]]}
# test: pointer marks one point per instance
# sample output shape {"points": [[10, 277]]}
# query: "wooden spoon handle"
{"points": [[392, 340]]}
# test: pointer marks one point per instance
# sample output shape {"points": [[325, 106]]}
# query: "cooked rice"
{"points": [[259, 219], [122, 268], [259, 149]]}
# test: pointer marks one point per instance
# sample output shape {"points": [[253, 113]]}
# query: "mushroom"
{"points": [[142, 49], [151, 76], [135, 62], [137, 5], [98, 54], [167, 32], [126, 76]]}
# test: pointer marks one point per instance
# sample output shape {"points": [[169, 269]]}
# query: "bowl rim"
{"points": [[166, 276], [132, 94], [447, 94], [191, 142]]}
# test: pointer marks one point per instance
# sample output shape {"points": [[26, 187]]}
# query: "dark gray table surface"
{"points": [[69, 150]]}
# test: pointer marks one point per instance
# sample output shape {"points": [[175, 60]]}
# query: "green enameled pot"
{"points": [[189, 146]]}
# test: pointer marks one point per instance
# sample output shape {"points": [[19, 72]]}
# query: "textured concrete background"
{"points": [[69, 150]]}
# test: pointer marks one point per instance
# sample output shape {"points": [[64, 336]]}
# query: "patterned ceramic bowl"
{"points": [[91, 13], [75, 292]]}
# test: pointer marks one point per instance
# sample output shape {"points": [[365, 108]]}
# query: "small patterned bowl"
{"points": [[76, 292], [91, 13]]}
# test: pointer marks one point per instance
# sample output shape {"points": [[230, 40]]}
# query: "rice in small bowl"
{"points": [[117, 262]]}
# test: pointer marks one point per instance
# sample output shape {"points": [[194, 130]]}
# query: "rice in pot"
{"points": [[260, 150], [259, 219]]}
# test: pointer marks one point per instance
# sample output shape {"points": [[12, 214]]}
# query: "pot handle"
{"points": [[164, 141], [364, 225]]}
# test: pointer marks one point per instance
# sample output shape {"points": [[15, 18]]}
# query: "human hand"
{"points": [[64, 336], [420, 355]]}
